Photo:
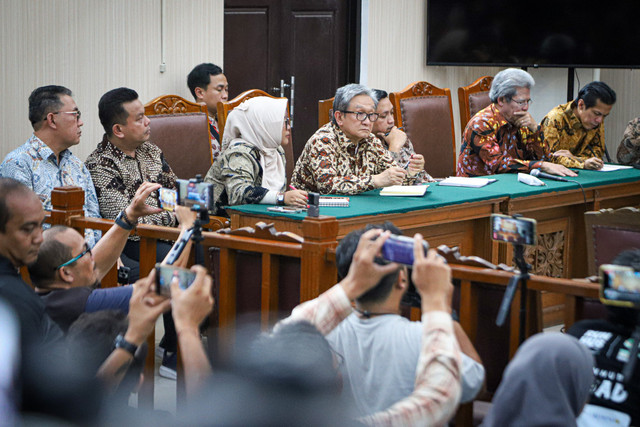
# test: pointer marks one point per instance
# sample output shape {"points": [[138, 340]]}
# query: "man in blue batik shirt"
{"points": [[45, 161]]}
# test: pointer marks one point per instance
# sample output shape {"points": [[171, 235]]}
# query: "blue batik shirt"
{"points": [[35, 165]]}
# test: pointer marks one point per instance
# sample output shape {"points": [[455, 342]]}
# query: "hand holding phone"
{"points": [[400, 249], [166, 273]]}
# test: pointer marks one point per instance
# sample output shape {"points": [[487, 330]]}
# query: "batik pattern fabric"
{"points": [[629, 148], [236, 176], [492, 145], [215, 138], [117, 176], [36, 166], [332, 164], [403, 157], [563, 130]]}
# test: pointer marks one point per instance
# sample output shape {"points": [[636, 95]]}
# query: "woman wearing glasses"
{"points": [[344, 157], [251, 167]]}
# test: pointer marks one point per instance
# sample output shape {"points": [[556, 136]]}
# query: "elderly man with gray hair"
{"points": [[504, 137], [344, 157]]}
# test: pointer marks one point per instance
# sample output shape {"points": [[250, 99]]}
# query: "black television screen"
{"points": [[560, 33]]}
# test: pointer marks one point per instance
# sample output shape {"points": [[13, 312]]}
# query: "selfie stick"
{"points": [[196, 236], [511, 290], [194, 233]]}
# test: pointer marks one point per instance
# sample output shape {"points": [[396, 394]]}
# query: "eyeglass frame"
{"points": [[523, 102], [76, 113], [87, 249], [367, 115]]}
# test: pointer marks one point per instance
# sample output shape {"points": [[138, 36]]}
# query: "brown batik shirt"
{"points": [[563, 130], [117, 177], [332, 164]]}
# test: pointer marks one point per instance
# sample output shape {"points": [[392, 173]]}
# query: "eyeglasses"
{"points": [[75, 113], [523, 102], [87, 249], [361, 115], [287, 123]]}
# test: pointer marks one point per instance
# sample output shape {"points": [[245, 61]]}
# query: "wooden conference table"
{"points": [[459, 216]]}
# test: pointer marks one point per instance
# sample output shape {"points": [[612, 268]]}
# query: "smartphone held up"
{"points": [[166, 273]]}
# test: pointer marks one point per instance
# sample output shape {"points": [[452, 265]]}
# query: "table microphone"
{"points": [[539, 174]]}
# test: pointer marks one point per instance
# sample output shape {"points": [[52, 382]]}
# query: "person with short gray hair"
{"points": [[506, 83], [504, 137], [344, 157]]}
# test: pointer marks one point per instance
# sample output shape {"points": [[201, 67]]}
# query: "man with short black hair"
{"points": [[45, 161], [208, 85], [575, 130], [504, 137], [380, 347], [121, 163], [21, 220]]}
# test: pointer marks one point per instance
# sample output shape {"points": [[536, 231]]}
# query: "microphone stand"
{"points": [[511, 290]]}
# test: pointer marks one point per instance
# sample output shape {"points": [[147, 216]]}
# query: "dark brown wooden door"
{"points": [[268, 44]]}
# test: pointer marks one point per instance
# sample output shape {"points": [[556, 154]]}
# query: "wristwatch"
{"points": [[124, 222], [280, 199], [120, 342]]}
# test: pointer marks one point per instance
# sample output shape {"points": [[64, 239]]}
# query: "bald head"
{"points": [[21, 219]]}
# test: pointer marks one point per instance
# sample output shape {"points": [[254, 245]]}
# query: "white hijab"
{"points": [[259, 121]]}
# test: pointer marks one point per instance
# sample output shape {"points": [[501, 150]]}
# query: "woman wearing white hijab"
{"points": [[251, 166], [546, 384]]}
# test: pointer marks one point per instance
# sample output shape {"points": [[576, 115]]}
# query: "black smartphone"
{"points": [[400, 249], [195, 194], [619, 285], [506, 228], [166, 273]]}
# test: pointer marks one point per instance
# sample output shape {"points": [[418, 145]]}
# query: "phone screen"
{"points": [[620, 285], [166, 273], [521, 231], [192, 193], [168, 199]]}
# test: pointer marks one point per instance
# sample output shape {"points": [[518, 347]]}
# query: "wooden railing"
{"points": [[316, 252], [317, 270]]}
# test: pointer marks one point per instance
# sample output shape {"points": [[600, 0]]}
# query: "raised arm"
{"points": [[189, 308], [437, 390], [109, 248], [144, 309]]}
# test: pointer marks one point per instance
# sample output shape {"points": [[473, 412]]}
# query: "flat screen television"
{"points": [[560, 33]]}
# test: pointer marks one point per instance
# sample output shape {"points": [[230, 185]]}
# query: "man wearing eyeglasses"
{"points": [[575, 130], [68, 272], [504, 137], [344, 157], [45, 161]]}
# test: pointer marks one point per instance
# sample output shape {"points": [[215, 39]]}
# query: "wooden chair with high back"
{"points": [[325, 108], [473, 98], [178, 127], [225, 107], [609, 232], [426, 114]]}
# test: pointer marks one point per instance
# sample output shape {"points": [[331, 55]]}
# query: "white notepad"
{"points": [[404, 190], [341, 202], [462, 181]]}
